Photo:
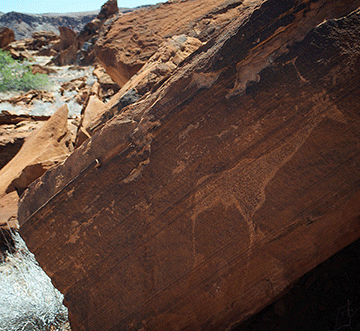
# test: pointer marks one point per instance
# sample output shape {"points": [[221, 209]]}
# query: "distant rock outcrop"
{"points": [[77, 48], [24, 25], [205, 198]]}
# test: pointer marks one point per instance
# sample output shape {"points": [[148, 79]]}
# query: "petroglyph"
{"points": [[244, 185], [293, 62]]}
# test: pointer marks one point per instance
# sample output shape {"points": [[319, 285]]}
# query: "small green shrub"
{"points": [[17, 76]]}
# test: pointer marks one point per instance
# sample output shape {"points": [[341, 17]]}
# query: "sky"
{"points": [[64, 6]]}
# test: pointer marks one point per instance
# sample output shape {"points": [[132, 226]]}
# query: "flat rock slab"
{"points": [[198, 206]]}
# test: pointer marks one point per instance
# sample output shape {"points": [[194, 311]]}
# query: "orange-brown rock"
{"points": [[67, 39], [77, 48], [8, 212], [67, 47], [91, 112], [17, 55], [136, 36], [202, 202], [155, 72], [7, 117], [108, 9], [75, 84], [41, 39], [13, 131], [42, 149], [79, 85], [39, 69], [107, 85], [6, 37], [29, 97], [8, 221], [162, 64]]}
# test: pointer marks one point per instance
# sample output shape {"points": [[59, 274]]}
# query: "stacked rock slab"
{"points": [[200, 204]]}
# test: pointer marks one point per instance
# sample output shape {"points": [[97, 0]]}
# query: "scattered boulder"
{"points": [[79, 85], [18, 55], [42, 39], [75, 84], [6, 37], [20, 45], [67, 39], [41, 42], [9, 118], [67, 47], [14, 129], [39, 69], [46, 51], [29, 97], [41, 150]]}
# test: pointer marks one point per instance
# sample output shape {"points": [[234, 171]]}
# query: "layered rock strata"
{"points": [[199, 204]]}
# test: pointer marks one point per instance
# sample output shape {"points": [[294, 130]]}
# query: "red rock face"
{"points": [[198, 205]]}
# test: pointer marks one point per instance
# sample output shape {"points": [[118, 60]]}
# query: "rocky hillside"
{"points": [[24, 25], [224, 169]]}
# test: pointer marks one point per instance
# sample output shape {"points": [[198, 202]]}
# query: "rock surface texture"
{"points": [[199, 204]]}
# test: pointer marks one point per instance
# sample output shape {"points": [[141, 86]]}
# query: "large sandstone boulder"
{"points": [[6, 37], [199, 204], [42, 149]]}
